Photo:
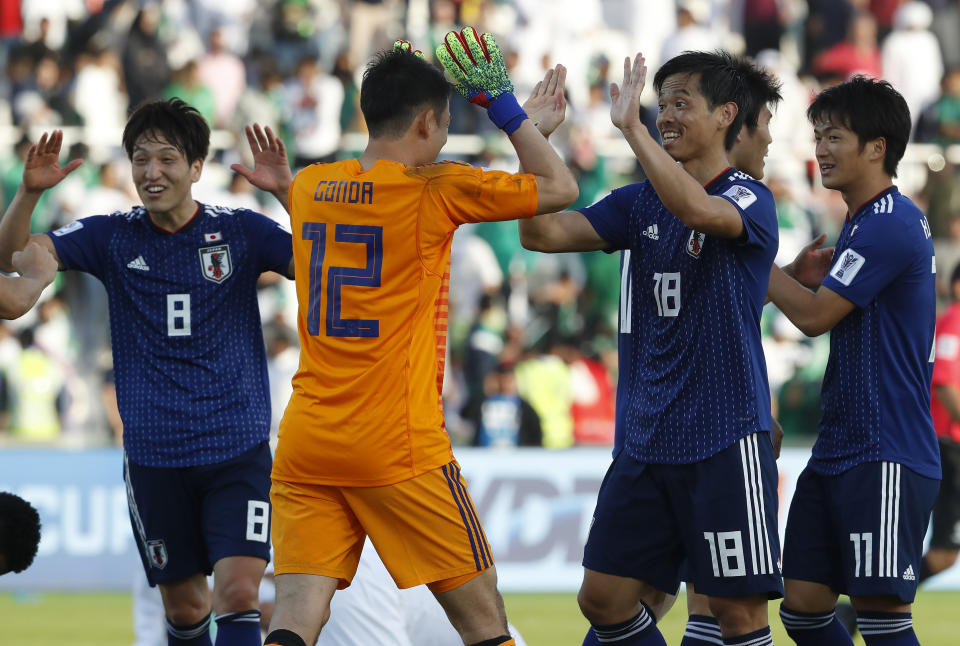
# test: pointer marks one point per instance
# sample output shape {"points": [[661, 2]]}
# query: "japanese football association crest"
{"points": [[157, 553], [695, 243], [215, 263]]}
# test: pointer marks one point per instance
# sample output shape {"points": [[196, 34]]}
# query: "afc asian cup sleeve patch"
{"points": [[68, 228], [741, 196], [847, 267]]}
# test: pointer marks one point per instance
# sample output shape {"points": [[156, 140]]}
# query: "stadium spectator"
{"points": [[321, 512], [857, 54], [499, 416], [911, 58], [19, 533], [146, 69], [876, 455], [314, 100], [693, 32], [946, 110], [185, 84], [223, 72], [195, 435], [945, 408], [946, 26], [35, 386], [669, 222]]}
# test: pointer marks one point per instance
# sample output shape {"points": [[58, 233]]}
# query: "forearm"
{"points": [[683, 195], [796, 301], [20, 294], [557, 188], [15, 226]]}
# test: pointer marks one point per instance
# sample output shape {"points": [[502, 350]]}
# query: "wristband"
{"points": [[506, 113]]}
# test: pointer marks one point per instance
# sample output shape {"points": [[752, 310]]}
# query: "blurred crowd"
{"points": [[532, 357]]}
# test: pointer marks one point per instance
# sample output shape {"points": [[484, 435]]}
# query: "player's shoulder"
{"points": [[893, 214], [740, 187], [443, 169]]}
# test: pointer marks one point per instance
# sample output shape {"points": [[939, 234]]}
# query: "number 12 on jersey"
{"points": [[337, 277]]}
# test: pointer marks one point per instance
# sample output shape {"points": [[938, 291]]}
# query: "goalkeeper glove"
{"points": [[476, 64], [404, 46]]}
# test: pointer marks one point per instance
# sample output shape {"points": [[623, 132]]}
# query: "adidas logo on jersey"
{"points": [[908, 574], [652, 232], [139, 263]]}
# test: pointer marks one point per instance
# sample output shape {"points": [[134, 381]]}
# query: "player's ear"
{"points": [[726, 113], [425, 123], [877, 149], [195, 169]]}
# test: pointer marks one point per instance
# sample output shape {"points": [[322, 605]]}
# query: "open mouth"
{"points": [[669, 137]]}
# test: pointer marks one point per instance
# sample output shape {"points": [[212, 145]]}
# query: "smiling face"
{"points": [[164, 178], [842, 160], [686, 123], [750, 150]]}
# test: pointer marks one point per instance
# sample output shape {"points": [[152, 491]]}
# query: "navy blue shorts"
{"points": [[859, 532], [186, 519], [718, 515]]}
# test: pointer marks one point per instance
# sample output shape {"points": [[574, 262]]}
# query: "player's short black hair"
{"points": [[870, 108], [396, 86], [178, 122], [19, 532], [721, 81], [763, 88]]}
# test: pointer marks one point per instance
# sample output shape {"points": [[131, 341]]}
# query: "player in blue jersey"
{"points": [[189, 360], [696, 478], [861, 506]]}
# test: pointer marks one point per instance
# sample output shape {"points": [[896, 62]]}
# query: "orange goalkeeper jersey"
{"points": [[372, 255]]}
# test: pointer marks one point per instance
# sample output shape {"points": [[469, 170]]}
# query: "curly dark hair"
{"points": [[19, 533]]}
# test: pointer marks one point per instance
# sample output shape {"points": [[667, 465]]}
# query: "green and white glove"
{"points": [[476, 65], [405, 46]]}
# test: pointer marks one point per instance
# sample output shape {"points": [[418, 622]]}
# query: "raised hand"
{"points": [[271, 168], [405, 46], [812, 264], [476, 64], [625, 99], [547, 105], [42, 168], [35, 262]]}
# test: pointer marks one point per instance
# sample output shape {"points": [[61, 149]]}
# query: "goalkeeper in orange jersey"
{"points": [[362, 448]]}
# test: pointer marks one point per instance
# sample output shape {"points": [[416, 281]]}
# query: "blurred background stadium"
{"points": [[524, 327]]}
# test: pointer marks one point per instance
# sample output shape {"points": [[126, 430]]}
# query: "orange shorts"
{"points": [[425, 529]]}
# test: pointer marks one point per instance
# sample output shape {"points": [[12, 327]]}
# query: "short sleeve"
{"points": [[82, 244], [610, 216], [878, 252], [757, 210], [273, 243], [466, 194]]}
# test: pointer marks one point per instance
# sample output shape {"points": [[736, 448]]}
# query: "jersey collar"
{"points": [[193, 218], [717, 179]]}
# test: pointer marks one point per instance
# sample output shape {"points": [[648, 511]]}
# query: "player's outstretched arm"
{"points": [[37, 268], [271, 167], [41, 171], [812, 312], [568, 230], [480, 74], [680, 192]]}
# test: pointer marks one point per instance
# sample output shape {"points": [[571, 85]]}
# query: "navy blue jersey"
{"points": [[876, 389], [695, 376], [188, 351]]}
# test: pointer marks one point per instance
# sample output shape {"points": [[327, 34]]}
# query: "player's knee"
{"points": [[186, 614], [739, 616], [235, 595], [601, 608]]}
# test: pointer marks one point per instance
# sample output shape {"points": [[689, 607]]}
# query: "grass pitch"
{"points": [[104, 619]]}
